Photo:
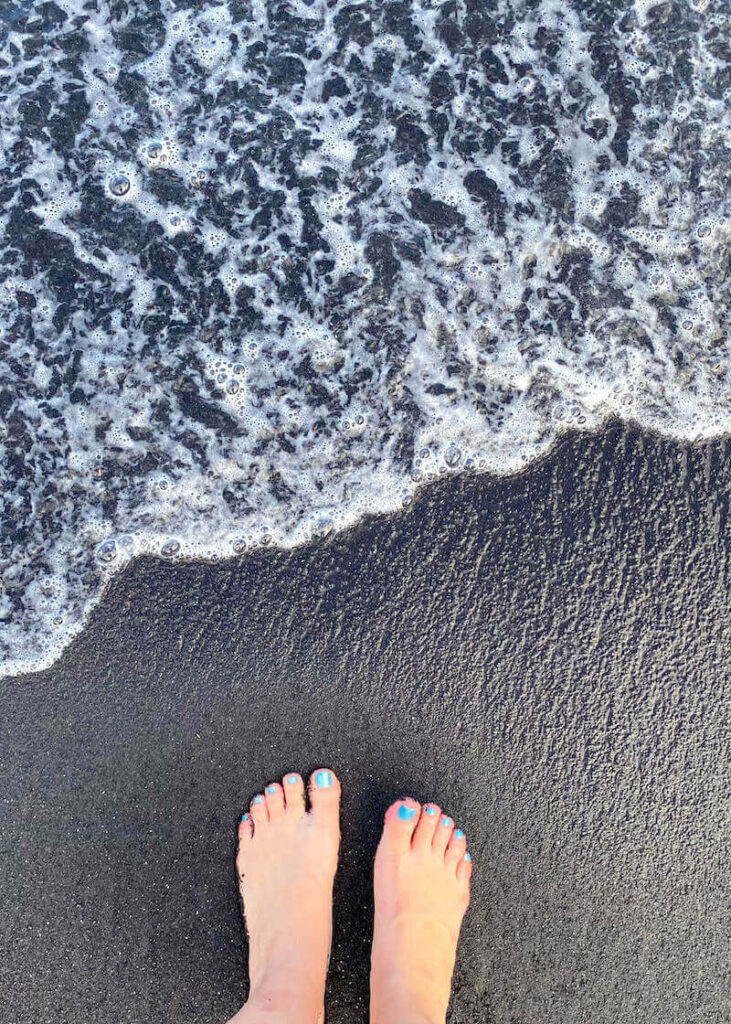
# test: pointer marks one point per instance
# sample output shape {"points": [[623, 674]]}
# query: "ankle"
{"points": [[276, 1005], [393, 1001], [397, 1014]]}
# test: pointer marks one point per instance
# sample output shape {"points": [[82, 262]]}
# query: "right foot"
{"points": [[422, 889], [286, 865]]}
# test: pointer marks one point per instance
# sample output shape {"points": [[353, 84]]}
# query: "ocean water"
{"points": [[267, 266]]}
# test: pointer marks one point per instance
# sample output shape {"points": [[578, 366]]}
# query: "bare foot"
{"points": [[286, 864], [422, 888]]}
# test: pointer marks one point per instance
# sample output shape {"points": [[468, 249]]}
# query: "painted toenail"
{"points": [[459, 834], [292, 779], [258, 799], [446, 821], [431, 810], [467, 857], [406, 813], [324, 780], [244, 817], [271, 789]]}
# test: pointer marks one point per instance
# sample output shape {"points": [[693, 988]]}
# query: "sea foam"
{"points": [[269, 266]]}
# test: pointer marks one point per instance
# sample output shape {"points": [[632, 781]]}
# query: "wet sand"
{"points": [[546, 656]]}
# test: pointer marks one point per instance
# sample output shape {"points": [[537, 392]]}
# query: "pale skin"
{"points": [[286, 863]]}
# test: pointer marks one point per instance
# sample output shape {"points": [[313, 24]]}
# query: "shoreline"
{"points": [[486, 478]]}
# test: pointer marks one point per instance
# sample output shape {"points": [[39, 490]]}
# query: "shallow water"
{"points": [[268, 266]]}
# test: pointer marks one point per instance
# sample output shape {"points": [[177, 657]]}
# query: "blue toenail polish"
{"points": [[244, 817], [257, 799], [271, 789], [323, 780], [406, 813], [459, 834], [446, 821], [292, 779], [430, 810], [467, 857]]}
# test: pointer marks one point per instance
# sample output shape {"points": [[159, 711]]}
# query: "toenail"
{"points": [[292, 779], [406, 813], [430, 810], [446, 821], [323, 780], [271, 789], [244, 817], [459, 834], [467, 857], [257, 799]]}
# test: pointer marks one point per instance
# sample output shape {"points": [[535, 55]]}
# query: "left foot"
{"points": [[286, 865]]}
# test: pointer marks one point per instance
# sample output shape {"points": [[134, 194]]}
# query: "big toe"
{"points": [[324, 793], [400, 823]]}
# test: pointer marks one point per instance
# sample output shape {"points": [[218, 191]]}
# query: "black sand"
{"points": [[547, 656]]}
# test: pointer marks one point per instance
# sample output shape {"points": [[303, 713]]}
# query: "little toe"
{"points": [[456, 848], [246, 829], [464, 869], [401, 821], [427, 826], [442, 833], [294, 793], [324, 792], [258, 810], [274, 797]]}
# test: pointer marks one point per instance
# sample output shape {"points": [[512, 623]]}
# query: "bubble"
{"points": [[452, 456], [703, 230], [233, 387], [239, 545], [119, 185], [107, 551], [155, 150], [527, 84], [170, 548]]}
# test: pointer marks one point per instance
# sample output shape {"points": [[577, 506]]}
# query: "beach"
{"points": [[545, 655]]}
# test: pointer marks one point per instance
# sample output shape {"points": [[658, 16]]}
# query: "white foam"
{"points": [[277, 398]]}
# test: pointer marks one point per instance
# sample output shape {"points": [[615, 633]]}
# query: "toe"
{"points": [[464, 869], [246, 834], [428, 824], [246, 829], [258, 810], [294, 793], [456, 848], [401, 821], [442, 833], [274, 797], [324, 792]]}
